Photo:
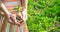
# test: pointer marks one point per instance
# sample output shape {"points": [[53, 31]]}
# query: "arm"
{"points": [[11, 17], [24, 9], [24, 13], [24, 4], [4, 9]]}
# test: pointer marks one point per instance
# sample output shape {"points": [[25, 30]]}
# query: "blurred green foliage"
{"points": [[43, 15]]}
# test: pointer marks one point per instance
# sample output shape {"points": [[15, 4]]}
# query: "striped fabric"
{"points": [[7, 27], [11, 5], [10, 0]]}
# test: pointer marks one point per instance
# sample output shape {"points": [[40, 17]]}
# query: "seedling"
{"points": [[18, 10]]}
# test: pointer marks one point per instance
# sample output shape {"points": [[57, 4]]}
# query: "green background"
{"points": [[43, 15]]}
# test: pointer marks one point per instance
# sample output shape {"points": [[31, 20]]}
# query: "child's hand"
{"points": [[12, 19], [23, 16]]}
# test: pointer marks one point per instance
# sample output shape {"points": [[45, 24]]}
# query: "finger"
{"points": [[13, 18], [20, 14], [16, 22], [10, 21], [21, 22]]}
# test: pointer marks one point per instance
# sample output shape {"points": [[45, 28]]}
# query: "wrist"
{"points": [[4, 9], [8, 14], [24, 11]]}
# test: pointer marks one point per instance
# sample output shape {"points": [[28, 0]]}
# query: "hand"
{"points": [[23, 16], [12, 19]]}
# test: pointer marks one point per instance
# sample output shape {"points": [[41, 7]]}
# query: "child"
{"points": [[9, 5]]}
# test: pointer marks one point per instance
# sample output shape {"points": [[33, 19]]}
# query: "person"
{"points": [[6, 16]]}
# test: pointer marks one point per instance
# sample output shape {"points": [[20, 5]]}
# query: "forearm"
{"points": [[4, 9], [24, 4], [24, 9]]}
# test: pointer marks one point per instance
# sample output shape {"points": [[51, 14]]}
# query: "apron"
{"points": [[8, 27]]}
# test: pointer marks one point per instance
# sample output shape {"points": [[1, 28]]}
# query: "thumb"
{"points": [[20, 14]]}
